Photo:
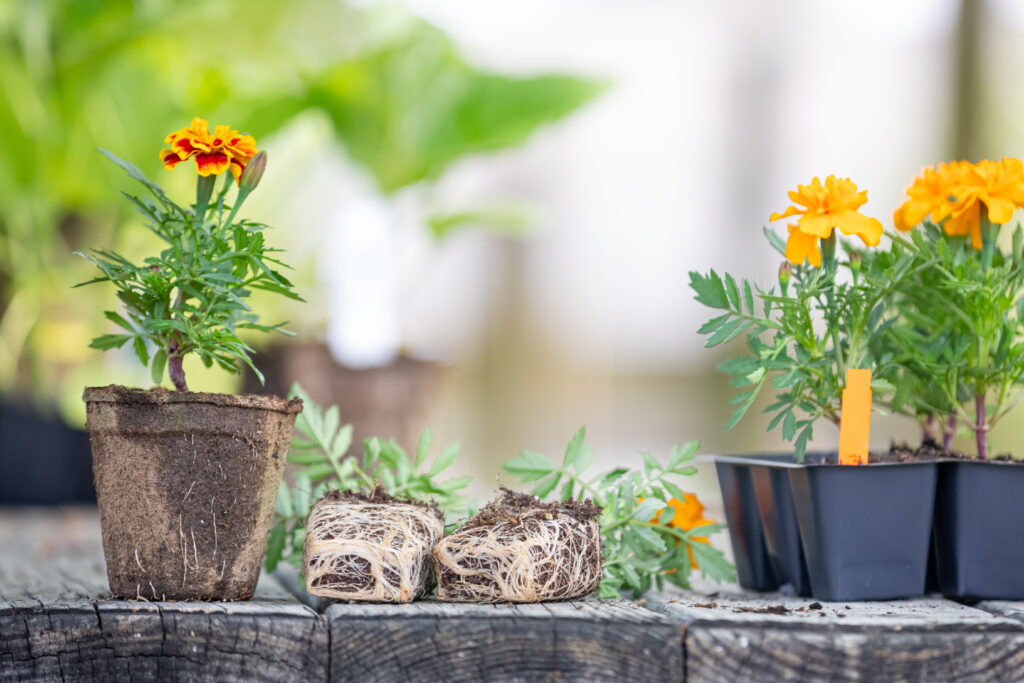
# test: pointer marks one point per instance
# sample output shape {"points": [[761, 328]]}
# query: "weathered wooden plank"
{"points": [[431, 641], [739, 638], [114, 640], [55, 623]]}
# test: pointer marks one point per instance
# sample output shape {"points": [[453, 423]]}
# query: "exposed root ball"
{"points": [[373, 547], [517, 549]]}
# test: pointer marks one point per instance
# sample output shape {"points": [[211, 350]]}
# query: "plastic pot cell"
{"points": [[753, 566], [978, 540], [866, 529]]}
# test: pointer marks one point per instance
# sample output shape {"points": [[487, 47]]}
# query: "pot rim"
{"points": [[764, 461], [113, 393]]}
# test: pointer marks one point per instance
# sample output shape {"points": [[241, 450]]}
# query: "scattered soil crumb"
{"points": [[706, 605], [814, 605], [770, 609]]}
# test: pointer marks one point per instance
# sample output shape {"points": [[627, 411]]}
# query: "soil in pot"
{"points": [[186, 485], [518, 549], [750, 554], [978, 539], [866, 529], [370, 547]]}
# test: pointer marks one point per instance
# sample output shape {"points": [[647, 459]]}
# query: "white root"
{"points": [[358, 550], [512, 553]]}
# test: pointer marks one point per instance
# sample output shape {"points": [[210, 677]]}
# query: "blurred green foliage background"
{"points": [[78, 75]]}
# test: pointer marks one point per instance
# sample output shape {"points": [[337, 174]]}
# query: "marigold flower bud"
{"points": [[253, 173], [785, 275], [855, 262]]}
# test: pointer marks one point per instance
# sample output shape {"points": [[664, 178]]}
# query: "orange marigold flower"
{"points": [[224, 149], [930, 194], [954, 193], [822, 208], [689, 514]]}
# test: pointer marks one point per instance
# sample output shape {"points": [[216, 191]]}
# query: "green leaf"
{"points": [[109, 341], [283, 507], [647, 510], [159, 363], [572, 451], [275, 546], [529, 466], [444, 460], [709, 289], [711, 562], [547, 485], [674, 491], [139, 344], [650, 464], [423, 446], [684, 453], [404, 125], [650, 539]]}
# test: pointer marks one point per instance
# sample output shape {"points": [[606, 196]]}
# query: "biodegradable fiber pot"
{"points": [[517, 549], [186, 485], [370, 547], [978, 538], [866, 529]]}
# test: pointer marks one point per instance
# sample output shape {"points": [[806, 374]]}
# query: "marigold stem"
{"points": [[988, 239], [175, 368], [980, 426], [948, 433], [930, 429]]}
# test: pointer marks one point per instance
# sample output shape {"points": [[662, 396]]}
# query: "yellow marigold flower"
{"points": [[689, 514], [955, 192], [214, 153], [822, 208]]}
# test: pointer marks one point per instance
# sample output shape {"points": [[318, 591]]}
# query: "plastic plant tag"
{"points": [[855, 426]]}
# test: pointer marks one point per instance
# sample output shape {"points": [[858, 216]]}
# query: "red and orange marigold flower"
{"points": [[224, 149], [823, 207], [953, 194]]}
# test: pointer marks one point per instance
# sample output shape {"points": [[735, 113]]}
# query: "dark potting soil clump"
{"points": [[929, 450], [371, 547], [518, 549]]}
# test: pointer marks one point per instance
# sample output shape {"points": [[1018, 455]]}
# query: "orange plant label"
{"points": [[855, 422]]}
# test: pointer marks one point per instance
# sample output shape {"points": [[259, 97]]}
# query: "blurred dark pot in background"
{"points": [[43, 461], [388, 401]]}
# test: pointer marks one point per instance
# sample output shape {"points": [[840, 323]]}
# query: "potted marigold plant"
{"points": [[814, 340], [962, 342], [186, 481]]}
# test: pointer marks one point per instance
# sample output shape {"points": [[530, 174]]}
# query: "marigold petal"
{"points": [[966, 222], [910, 214], [1000, 210], [169, 158], [236, 169], [817, 224], [184, 147], [212, 163], [790, 211], [200, 127], [802, 247], [852, 222]]}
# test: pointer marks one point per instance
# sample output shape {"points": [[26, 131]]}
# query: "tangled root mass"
{"points": [[370, 547], [517, 549]]}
